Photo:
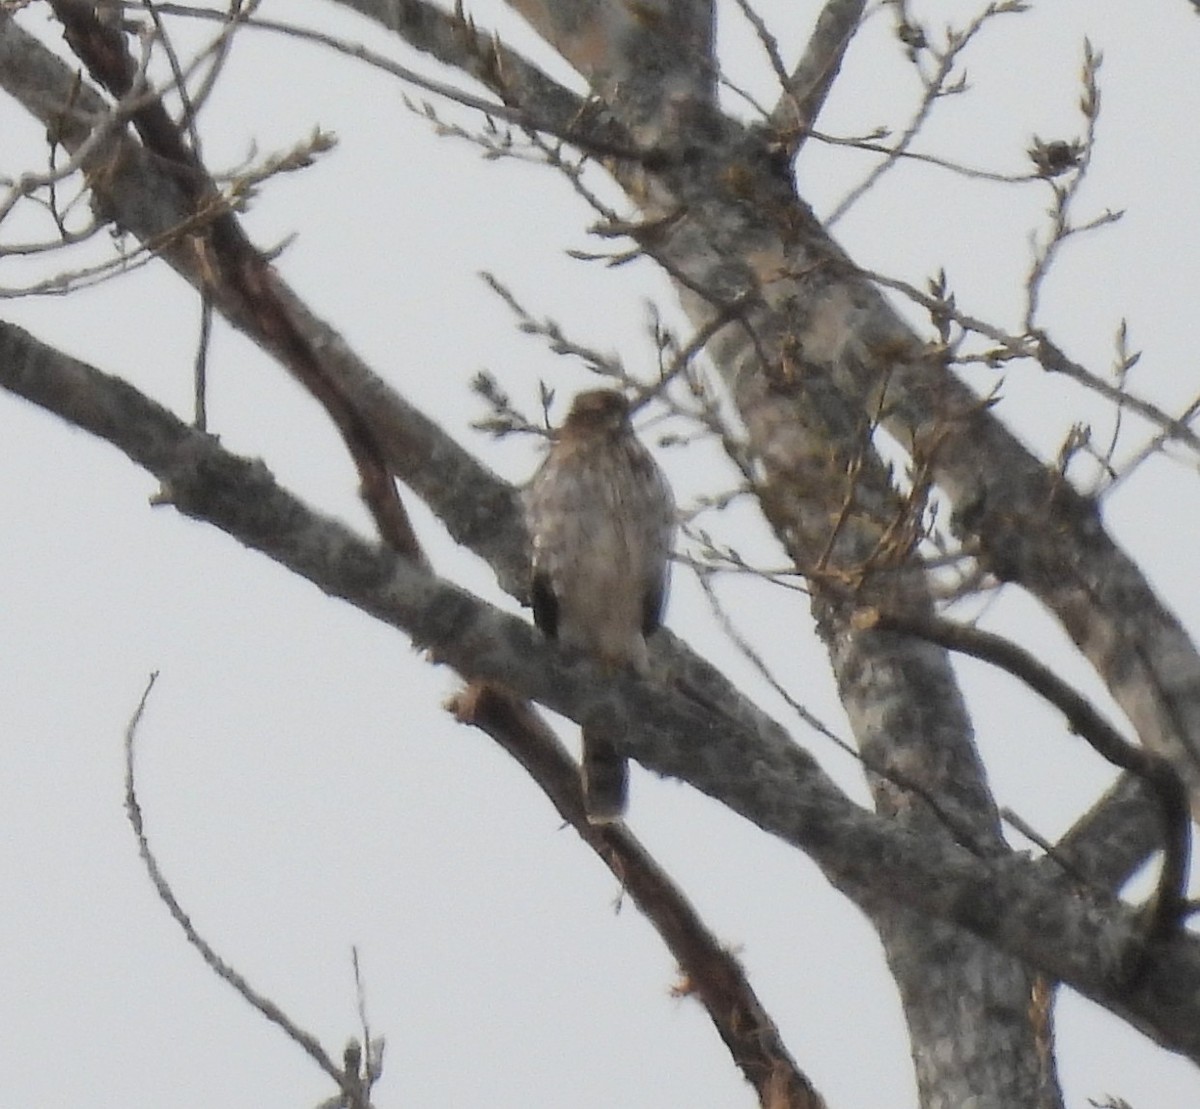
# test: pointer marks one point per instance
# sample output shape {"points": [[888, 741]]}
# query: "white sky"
{"points": [[303, 788]]}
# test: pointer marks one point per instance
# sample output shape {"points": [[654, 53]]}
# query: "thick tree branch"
{"points": [[1083, 940], [1169, 904], [1119, 833]]}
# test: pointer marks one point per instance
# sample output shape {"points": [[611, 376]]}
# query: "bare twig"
{"points": [[1041, 349], [937, 85], [768, 41], [362, 1061], [748, 651], [1061, 227], [606, 365], [219, 52], [1054, 359], [200, 365], [305, 1040], [1154, 446], [874, 146], [188, 115], [702, 336], [85, 277]]}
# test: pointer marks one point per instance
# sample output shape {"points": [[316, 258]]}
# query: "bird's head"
{"points": [[598, 411]]}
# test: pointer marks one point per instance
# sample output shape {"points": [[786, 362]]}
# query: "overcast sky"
{"points": [[302, 786]]}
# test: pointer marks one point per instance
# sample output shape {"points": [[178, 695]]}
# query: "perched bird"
{"points": [[602, 520]]}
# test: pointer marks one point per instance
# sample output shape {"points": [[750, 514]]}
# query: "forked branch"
{"points": [[1169, 904]]}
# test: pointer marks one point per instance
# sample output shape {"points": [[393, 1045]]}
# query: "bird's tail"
{"points": [[605, 777]]}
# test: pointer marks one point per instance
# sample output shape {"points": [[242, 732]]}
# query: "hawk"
{"points": [[601, 519]]}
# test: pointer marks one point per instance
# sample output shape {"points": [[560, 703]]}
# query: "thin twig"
{"points": [[200, 365], [872, 146], [305, 1040], [1065, 194], [1026, 829], [188, 116], [1153, 447], [606, 365], [936, 87], [767, 41]]}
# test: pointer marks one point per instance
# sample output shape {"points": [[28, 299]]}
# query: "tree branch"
{"points": [[808, 85], [1082, 940], [710, 972], [1108, 843], [1168, 906], [454, 40], [309, 1043], [235, 272]]}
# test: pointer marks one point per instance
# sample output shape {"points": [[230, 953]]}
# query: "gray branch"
{"points": [[1080, 939]]}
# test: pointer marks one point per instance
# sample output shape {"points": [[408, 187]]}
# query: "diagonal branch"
{"points": [[1109, 843], [236, 272], [808, 85], [710, 971], [453, 39]]}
